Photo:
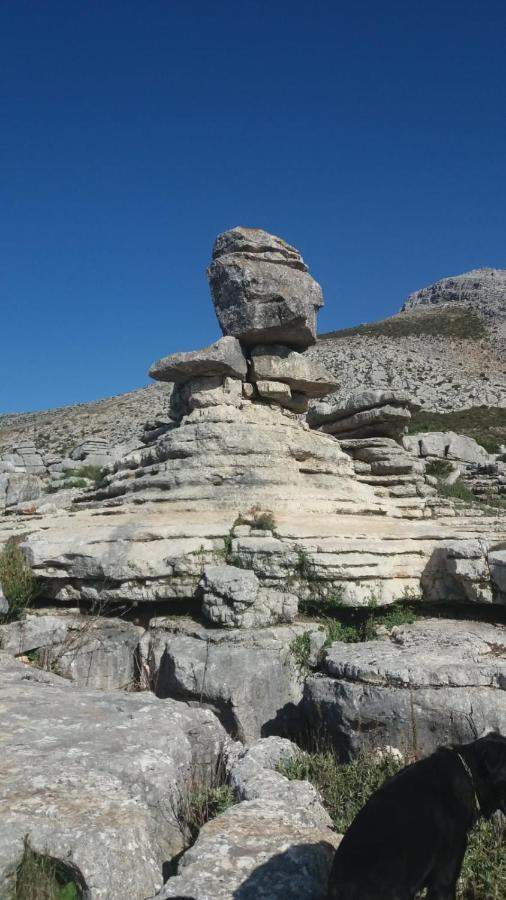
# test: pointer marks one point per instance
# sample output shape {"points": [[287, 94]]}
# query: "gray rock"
{"points": [[250, 678], [263, 294], [279, 363], [17, 488], [234, 598], [358, 401], [497, 567], [276, 843], [460, 572], [224, 357], [446, 445], [437, 681], [483, 289], [4, 607], [274, 390], [388, 421], [214, 390], [97, 778]]}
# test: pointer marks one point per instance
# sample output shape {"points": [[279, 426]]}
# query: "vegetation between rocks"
{"points": [[346, 787], [40, 877], [205, 798], [16, 578]]}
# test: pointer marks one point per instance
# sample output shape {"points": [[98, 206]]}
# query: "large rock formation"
{"points": [[483, 289], [261, 289]]}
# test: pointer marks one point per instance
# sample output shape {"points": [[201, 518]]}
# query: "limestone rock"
{"points": [[224, 357], [480, 288], [274, 390], [364, 414], [446, 445], [497, 568], [214, 390], [435, 682], [233, 597], [279, 363], [18, 487], [249, 678], [96, 777], [276, 843], [4, 607], [262, 291]]}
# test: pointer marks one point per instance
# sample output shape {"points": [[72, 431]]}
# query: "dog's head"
{"points": [[487, 756]]}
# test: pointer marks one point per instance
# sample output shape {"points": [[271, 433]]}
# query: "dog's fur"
{"points": [[412, 833]]}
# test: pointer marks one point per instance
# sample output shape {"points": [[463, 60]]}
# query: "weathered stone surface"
{"points": [[4, 606], [214, 390], [18, 487], [250, 678], [482, 288], [97, 778], [389, 421], [233, 597], [446, 445], [279, 363], [274, 390], [276, 843], [462, 572], [263, 294], [497, 567], [356, 402], [437, 681], [224, 357]]}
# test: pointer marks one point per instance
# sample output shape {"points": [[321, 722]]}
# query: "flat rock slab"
{"points": [[97, 778], [302, 374], [224, 357], [436, 681]]}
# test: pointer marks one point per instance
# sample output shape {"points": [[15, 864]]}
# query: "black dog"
{"points": [[412, 833]]}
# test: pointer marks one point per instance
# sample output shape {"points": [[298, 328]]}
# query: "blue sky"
{"points": [[370, 135]]}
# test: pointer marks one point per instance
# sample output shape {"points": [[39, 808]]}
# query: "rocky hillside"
{"points": [[447, 346]]}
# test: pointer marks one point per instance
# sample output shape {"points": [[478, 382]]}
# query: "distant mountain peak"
{"points": [[484, 288]]}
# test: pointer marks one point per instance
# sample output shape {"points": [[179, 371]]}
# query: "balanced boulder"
{"points": [[262, 291]]}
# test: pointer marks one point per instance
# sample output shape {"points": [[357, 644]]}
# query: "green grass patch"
{"points": [[346, 787], [16, 578], [486, 424], [439, 468], [202, 803], [40, 877], [460, 322]]}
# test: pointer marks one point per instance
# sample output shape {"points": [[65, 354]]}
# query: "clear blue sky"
{"points": [[372, 135]]}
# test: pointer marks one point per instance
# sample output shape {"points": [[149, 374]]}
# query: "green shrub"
{"points": [[40, 877], [201, 804], [439, 468], [457, 491], [93, 473], [346, 787], [17, 580], [460, 322], [300, 648], [354, 625]]}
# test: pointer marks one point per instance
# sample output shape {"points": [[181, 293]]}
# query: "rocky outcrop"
{"points": [[92, 651], [446, 445], [224, 357], [233, 597], [18, 488], [434, 682], [96, 780], [262, 291], [364, 414], [278, 363], [250, 678], [276, 843], [483, 289]]}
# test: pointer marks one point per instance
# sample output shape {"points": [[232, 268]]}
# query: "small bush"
{"points": [[457, 491], [256, 517], [300, 649], [93, 473], [201, 804], [439, 468], [17, 580], [355, 625], [40, 877]]}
